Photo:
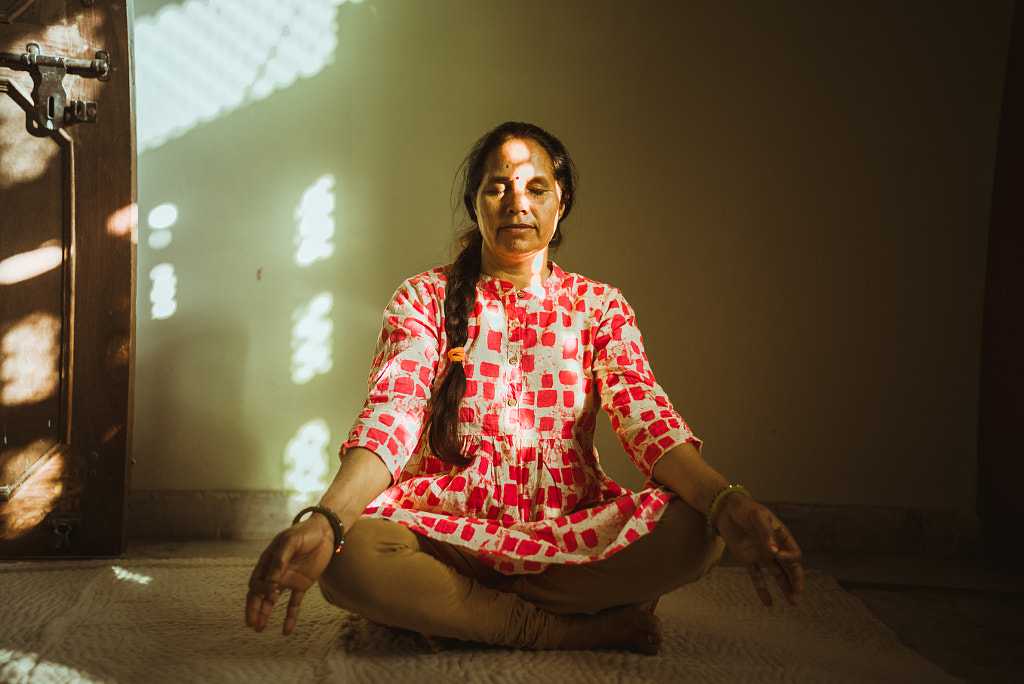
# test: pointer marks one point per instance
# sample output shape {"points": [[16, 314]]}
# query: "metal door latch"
{"points": [[53, 109], [65, 530]]}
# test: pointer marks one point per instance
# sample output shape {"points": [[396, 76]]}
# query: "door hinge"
{"points": [[53, 109]]}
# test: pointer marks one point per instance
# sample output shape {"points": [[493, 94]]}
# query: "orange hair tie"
{"points": [[457, 354]]}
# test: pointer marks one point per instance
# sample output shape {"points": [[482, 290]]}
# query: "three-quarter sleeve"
{"points": [[402, 373], [641, 414]]}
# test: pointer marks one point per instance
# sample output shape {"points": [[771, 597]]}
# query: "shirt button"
{"points": [[511, 402], [513, 360], [521, 294]]}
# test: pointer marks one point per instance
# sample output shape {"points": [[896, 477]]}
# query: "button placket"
{"points": [[511, 357]]}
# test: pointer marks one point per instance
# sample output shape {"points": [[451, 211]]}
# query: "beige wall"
{"points": [[794, 196]]}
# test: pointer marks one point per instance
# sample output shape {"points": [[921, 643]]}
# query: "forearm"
{"points": [[361, 477], [683, 471]]}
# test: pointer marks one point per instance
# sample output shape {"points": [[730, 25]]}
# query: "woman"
{"points": [[469, 502]]}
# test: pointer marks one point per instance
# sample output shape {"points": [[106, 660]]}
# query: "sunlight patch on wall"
{"points": [[130, 576], [200, 60], [161, 219], [163, 292], [29, 360], [312, 339], [315, 214], [305, 459], [28, 265]]}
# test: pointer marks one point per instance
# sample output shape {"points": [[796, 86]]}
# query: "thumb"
{"points": [[767, 529]]}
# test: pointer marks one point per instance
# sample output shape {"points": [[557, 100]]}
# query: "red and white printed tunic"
{"points": [[540, 362]]}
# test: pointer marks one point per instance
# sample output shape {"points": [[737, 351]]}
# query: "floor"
{"points": [[966, 618]]}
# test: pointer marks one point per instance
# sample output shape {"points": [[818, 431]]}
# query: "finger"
{"points": [[292, 615], [765, 526], [794, 571], [757, 578], [267, 572], [789, 558], [782, 579], [259, 609]]}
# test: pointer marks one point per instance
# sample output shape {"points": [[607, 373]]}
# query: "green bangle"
{"points": [[339, 529], [713, 508]]}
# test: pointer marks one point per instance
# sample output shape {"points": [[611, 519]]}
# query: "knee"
{"points": [[355, 574], [695, 550]]}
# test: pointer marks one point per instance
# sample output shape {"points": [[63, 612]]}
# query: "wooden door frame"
{"points": [[88, 470]]}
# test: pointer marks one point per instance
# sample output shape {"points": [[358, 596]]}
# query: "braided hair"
{"points": [[442, 426]]}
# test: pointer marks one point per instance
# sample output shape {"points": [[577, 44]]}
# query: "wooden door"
{"points": [[67, 286]]}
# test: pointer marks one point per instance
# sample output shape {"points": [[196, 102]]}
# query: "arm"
{"points": [[663, 448], [752, 532], [297, 557], [378, 447]]}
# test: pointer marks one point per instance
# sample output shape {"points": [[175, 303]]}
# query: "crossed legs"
{"points": [[393, 576]]}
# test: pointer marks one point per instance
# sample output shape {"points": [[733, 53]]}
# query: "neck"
{"points": [[531, 270]]}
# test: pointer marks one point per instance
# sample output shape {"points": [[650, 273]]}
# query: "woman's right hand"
{"points": [[293, 561]]}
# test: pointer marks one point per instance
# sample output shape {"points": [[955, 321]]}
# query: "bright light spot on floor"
{"points": [[315, 215], [30, 360], [22, 666], [163, 293], [306, 458], [312, 339], [200, 60], [27, 265], [129, 576]]}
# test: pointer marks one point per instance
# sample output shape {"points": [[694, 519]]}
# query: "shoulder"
{"points": [[593, 293], [423, 291]]}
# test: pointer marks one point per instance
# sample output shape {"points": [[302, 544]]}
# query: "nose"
{"points": [[518, 200]]}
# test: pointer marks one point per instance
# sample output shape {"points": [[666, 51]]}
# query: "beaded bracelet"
{"points": [[713, 508], [339, 529]]}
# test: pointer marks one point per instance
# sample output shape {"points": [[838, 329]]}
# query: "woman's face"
{"points": [[518, 204]]}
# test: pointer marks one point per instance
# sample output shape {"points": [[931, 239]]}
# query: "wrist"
{"points": [[332, 519], [718, 502]]}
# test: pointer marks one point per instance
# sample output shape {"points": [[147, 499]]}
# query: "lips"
{"points": [[517, 226]]}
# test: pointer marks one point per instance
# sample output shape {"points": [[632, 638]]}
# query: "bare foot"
{"points": [[622, 628]]}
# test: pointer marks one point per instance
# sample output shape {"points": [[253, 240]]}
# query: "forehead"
{"points": [[519, 157]]}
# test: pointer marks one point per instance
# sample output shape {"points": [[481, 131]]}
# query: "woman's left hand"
{"points": [[758, 538]]}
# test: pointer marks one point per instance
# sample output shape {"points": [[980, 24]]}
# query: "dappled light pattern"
{"points": [[29, 360], [23, 666], [34, 500], [125, 222], [28, 265], [129, 576], [161, 219], [306, 458], [23, 158], [312, 339], [200, 60], [315, 215], [163, 293]]}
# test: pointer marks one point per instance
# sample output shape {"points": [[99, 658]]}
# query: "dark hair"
{"points": [[460, 291]]}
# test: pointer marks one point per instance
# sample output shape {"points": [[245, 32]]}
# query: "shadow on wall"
{"points": [[793, 198]]}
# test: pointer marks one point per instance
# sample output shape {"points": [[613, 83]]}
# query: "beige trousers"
{"points": [[394, 576]]}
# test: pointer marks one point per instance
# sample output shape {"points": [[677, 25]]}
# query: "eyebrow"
{"points": [[498, 178]]}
